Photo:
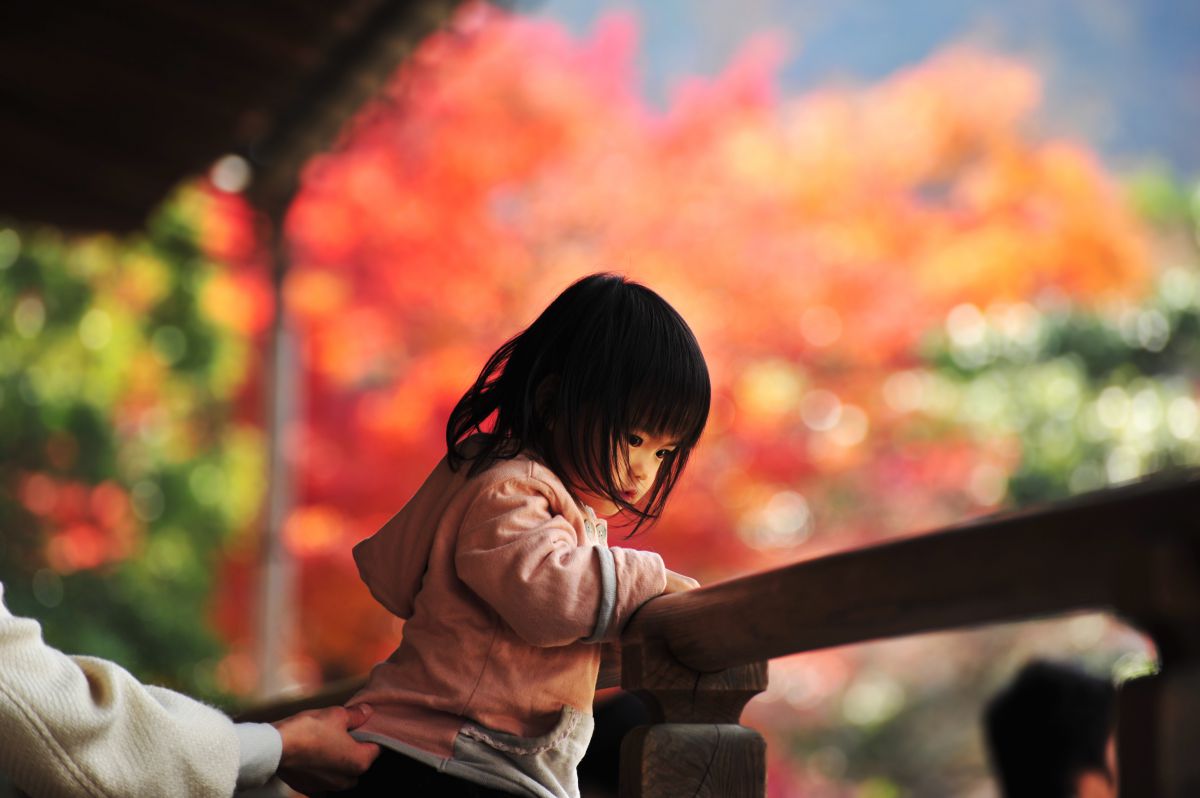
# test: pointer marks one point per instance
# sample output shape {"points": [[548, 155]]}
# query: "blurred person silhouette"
{"points": [[1051, 734], [82, 726]]}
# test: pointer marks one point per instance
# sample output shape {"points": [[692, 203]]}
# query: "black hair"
{"points": [[607, 357], [1048, 726]]}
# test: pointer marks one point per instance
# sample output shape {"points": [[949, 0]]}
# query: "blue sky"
{"points": [[1123, 75]]}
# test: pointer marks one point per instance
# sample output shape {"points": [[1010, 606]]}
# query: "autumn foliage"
{"points": [[891, 282], [811, 242]]}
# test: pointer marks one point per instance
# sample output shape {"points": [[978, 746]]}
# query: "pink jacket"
{"points": [[501, 578]]}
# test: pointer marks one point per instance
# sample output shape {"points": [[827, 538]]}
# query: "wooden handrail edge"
{"points": [[1104, 551]]}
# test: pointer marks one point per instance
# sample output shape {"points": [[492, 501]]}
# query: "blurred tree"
{"points": [[1095, 396], [123, 472], [812, 242], [904, 295], [1091, 396]]}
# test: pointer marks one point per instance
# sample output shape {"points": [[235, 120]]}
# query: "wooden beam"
{"points": [[1108, 550]]}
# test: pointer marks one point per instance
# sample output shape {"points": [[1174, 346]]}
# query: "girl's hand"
{"points": [[678, 583]]}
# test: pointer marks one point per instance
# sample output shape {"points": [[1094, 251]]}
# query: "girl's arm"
{"points": [[610, 653], [528, 564]]}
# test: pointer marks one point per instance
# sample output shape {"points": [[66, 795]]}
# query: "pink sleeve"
{"points": [[641, 576], [529, 565]]}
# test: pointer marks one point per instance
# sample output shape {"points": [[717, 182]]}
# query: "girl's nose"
{"points": [[641, 466]]}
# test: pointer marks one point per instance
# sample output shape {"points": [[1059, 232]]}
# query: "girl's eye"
{"points": [[661, 454], [634, 440]]}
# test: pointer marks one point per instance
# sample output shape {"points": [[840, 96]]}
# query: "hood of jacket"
{"points": [[392, 562]]}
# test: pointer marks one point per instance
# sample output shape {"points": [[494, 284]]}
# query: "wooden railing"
{"points": [[697, 658]]}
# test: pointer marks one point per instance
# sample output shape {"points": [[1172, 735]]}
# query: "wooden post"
{"points": [[1157, 735], [1179, 709], [696, 746], [1159, 717], [1177, 688], [276, 587]]}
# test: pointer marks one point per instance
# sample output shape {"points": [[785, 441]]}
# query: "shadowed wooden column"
{"points": [[1159, 716], [695, 747]]}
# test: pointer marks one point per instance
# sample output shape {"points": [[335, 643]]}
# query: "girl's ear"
{"points": [[544, 396]]}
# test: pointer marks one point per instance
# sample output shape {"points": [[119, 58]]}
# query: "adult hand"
{"points": [[319, 755], [678, 583]]}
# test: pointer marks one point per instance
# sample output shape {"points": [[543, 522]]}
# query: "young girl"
{"points": [[499, 564]]}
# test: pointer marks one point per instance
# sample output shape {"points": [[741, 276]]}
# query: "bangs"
{"points": [[644, 370], [671, 402], [671, 406]]}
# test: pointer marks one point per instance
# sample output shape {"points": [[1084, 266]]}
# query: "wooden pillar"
{"points": [[695, 746], [1137, 739], [1179, 725], [1158, 717], [1158, 734], [276, 587]]}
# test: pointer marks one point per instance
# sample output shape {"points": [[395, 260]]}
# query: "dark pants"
{"points": [[397, 776]]}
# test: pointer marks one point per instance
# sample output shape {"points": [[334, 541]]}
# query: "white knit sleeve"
{"points": [[76, 726], [260, 748]]}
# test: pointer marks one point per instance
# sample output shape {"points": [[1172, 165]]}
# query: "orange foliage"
{"points": [[89, 525], [810, 241]]}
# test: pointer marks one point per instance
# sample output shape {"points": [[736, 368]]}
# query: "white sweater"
{"points": [[80, 726]]}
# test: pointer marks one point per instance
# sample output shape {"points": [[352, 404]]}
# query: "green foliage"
{"points": [[1162, 200], [123, 473], [1093, 398]]}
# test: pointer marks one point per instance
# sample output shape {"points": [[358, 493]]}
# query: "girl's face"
{"points": [[646, 455]]}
